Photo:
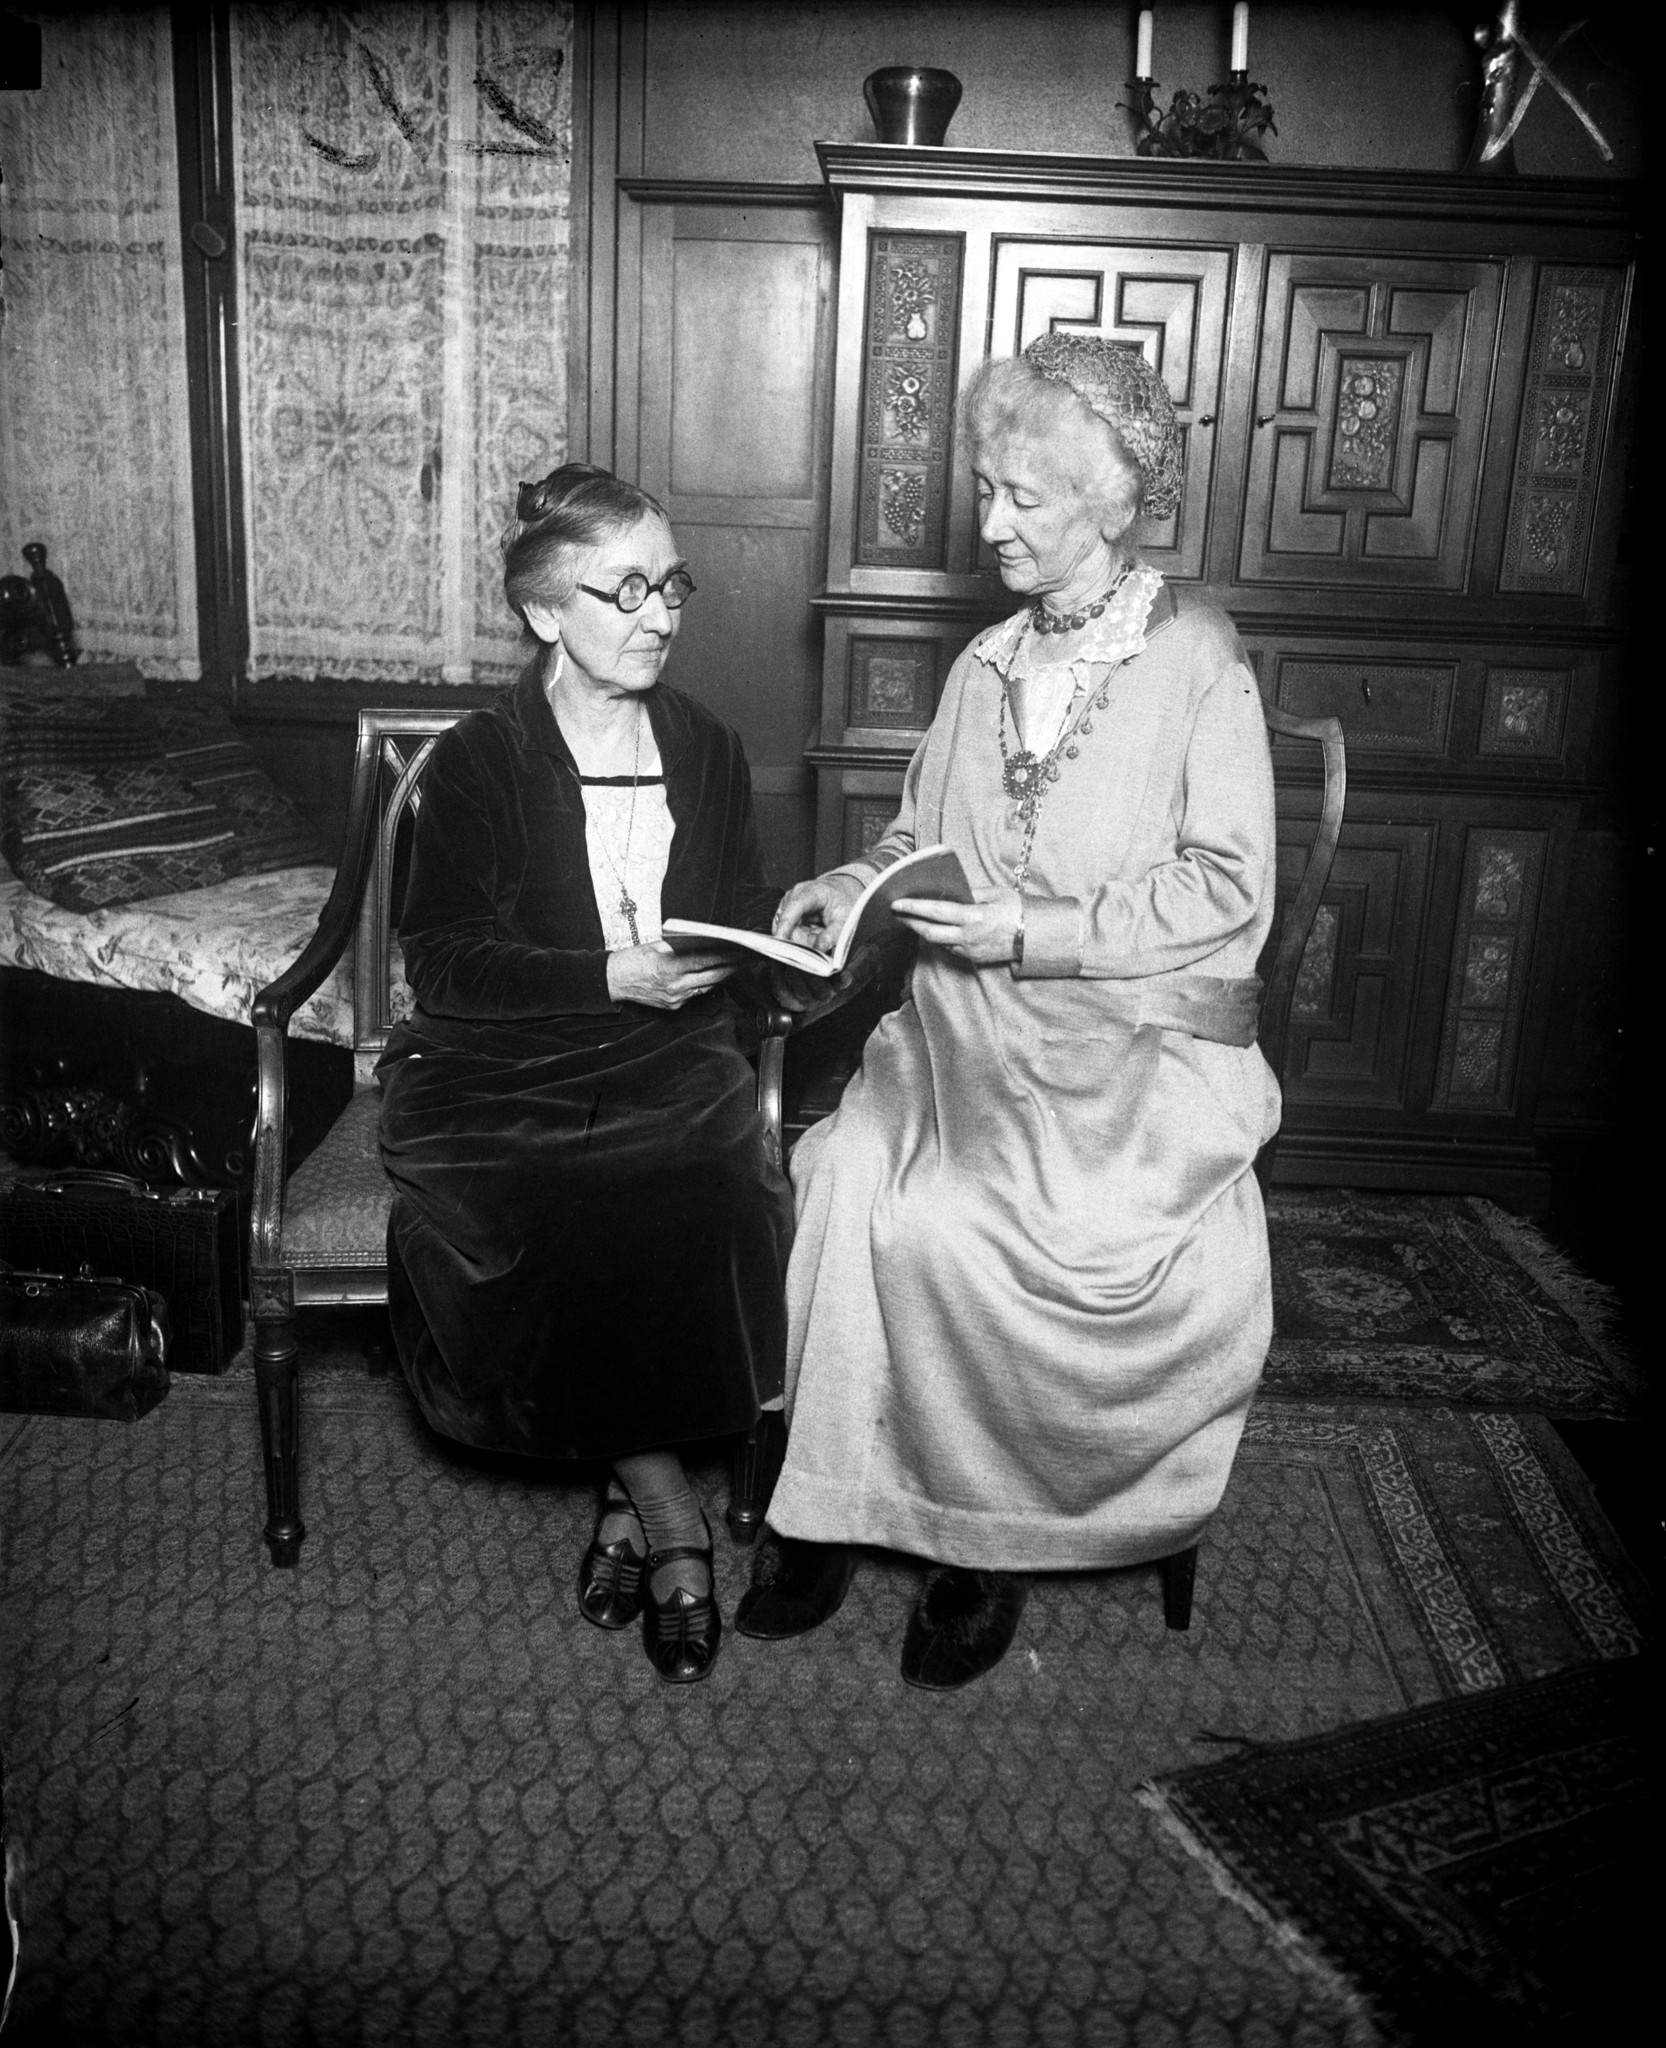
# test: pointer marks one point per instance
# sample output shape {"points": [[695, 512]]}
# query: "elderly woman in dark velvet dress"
{"points": [[588, 1239]]}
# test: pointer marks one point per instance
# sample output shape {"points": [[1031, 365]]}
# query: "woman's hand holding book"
{"points": [[813, 913]]}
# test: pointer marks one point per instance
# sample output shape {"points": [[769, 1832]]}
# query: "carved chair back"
{"points": [[393, 750], [1296, 919]]}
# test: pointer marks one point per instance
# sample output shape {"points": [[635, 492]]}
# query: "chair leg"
{"points": [[378, 1348], [1179, 1573], [277, 1385], [752, 1476]]}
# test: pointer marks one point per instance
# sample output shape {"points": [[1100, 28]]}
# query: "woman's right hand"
{"points": [[813, 913], [661, 979]]}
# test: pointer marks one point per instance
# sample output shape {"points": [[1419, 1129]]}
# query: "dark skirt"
{"points": [[588, 1241]]}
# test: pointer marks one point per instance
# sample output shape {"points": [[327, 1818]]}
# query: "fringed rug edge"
{"points": [[1595, 1307], [1365, 2027]]}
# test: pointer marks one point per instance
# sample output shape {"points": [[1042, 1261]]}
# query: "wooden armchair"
{"points": [[318, 1237], [1288, 943], [1293, 927]]}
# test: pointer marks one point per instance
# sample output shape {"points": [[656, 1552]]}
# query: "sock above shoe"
{"points": [[671, 1518]]}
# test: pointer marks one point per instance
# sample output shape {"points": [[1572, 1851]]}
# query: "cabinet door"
{"points": [[1370, 418], [1562, 430], [1169, 303], [727, 414]]}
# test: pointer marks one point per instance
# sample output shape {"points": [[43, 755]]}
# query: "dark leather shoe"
{"points": [[611, 1575], [962, 1626], [795, 1587], [681, 1632]]}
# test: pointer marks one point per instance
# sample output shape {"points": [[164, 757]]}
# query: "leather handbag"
{"points": [[90, 1345], [182, 1242]]}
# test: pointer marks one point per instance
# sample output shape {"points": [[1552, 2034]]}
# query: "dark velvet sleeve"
{"points": [[755, 895], [456, 960]]}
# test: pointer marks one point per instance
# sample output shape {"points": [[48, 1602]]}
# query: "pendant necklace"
{"points": [[1026, 779], [627, 902], [1026, 776]]}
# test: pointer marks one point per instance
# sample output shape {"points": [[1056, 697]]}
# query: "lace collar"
{"points": [[1018, 653]]}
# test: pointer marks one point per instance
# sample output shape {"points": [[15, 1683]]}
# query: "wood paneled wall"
{"points": [[722, 413]]}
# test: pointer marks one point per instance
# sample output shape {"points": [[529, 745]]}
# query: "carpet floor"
{"points": [[404, 1794], [1436, 1298], [1467, 1871]]}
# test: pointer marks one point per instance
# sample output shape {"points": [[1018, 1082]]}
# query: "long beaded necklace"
{"points": [[627, 902], [1027, 779], [1026, 776]]}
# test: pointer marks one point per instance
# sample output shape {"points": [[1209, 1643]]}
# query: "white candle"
{"points": [[1142, 63], [1240, 36]]}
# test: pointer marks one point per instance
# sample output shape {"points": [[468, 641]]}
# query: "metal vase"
{"points": [[910, 104]]}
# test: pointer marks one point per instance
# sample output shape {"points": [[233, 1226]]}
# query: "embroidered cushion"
{"points": [[200, 743], [93, 815]]}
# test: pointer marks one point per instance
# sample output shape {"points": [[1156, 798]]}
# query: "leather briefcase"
{"points": [[91, 1345], [182, 1242]]}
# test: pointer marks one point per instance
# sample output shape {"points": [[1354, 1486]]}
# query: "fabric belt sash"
{"points": [[1203, 1005]]}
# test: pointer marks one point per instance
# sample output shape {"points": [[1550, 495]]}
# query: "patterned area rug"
{"points": [[405, 1795], [1435, 1297], [1473, 1871]]}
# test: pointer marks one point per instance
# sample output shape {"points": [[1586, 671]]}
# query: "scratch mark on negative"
{"points": [[104, 1727]]}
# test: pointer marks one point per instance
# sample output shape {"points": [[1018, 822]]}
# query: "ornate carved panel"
{"points": [[1413, 384], [866, 818], [53, 1125], [1351, 1019], [1559, 437], [1369, 412], [908, 390], [1490, 960], [1167, 302], [1385, 707], [892, 684], [1525, 712]]}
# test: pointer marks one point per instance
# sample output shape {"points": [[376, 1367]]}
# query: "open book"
{"points": [[932, 872]]}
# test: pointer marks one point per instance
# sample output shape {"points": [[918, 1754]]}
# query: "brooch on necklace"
{"points": [[1020, 774], [1072, 622]]}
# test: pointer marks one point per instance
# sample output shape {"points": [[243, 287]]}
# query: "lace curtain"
{"points": [[95, 444], [402, 200]]}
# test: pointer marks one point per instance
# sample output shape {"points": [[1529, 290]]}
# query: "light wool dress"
{"points": [[1029, 1297]]}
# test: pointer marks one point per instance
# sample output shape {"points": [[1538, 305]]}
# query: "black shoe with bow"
{"points": [[681, 1632], [795, 1587], [610, 1575], [962, 1626]]}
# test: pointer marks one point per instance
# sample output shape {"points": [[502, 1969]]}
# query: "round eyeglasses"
{"points": [[634, 592]]}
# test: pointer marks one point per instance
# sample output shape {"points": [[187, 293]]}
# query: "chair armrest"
{"points": [[863, 969], [280, 999], [275, 1004], [271, 1145]]}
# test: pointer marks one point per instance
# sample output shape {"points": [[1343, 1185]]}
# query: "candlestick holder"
{"points": [[1227, 126]]}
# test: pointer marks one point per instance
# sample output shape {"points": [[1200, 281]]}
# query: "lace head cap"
{"points": [[1120, 386]]}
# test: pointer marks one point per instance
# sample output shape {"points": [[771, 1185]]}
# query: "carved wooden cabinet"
{"points": [[1405, 402]]}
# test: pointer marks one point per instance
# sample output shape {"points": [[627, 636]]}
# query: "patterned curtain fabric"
{"points": [[95, 441], [402, 197]]}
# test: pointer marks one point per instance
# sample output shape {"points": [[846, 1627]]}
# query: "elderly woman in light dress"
{"points": [[1029, 1297]]}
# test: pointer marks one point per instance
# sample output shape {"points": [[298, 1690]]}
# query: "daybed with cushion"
{"points": [[154, 880]]}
